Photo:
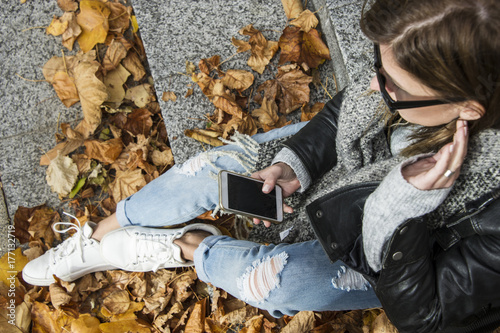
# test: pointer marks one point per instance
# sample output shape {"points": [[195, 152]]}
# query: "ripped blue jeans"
{"points": [[282, 279]]}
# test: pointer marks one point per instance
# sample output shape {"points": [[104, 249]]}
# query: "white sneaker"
{"points": [[140, 249], [73, 258]]}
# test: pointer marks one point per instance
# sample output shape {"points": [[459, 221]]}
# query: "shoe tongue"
{"points": [[88, 229]]}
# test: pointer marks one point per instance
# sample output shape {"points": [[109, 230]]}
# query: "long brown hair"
{"points": [[451, 46]]}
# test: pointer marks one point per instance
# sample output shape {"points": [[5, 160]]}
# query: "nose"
{"points": [[374, 84]]}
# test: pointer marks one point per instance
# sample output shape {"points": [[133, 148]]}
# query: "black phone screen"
{"points": [[246, 195]]}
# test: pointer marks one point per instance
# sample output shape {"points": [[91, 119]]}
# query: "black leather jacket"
{"points": [[432, 280]]}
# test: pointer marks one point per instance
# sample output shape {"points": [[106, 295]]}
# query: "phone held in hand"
{"points": [[243, 195]]}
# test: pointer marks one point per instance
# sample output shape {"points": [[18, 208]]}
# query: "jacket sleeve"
{"points": [[315, 144], [422, 291]]}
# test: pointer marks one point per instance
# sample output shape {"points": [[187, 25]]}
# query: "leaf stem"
{"points": [[29, 79]]}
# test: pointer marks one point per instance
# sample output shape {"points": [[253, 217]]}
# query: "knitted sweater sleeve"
{"points": [[287, 156], [392, 203]]}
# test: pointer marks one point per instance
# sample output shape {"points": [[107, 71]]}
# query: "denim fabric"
{"points": [[308, 280], [288, 277]]}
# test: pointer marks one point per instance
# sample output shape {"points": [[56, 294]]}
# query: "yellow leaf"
{"points": [[130, 326], [65, 88], [238, 79], [135, 25], [85, 324], [93, 19], [292, 8], [11, 263], [195, 134], [57, 27], [62, 174], [306, 21]]}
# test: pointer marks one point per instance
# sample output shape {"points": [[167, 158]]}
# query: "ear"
{"points": [[472, 110]]}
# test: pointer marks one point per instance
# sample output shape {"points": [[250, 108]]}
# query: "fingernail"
{"points": [[451, 148], [466, 128], [266, 188]]}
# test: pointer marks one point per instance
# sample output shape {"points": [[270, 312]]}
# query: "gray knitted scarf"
{"points": [[364, 155]]}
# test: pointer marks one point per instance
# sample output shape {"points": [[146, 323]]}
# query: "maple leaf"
{"points": [[290, 88], [72, 32], [206, 84], [126, 183], [292, 8], [298, 46], [267, 113], [208, 65], [62, 174], [56, 27], [225, 101], [141, 95], [106, 152], [114, 81], [133, 64], [238, 79], [262, 50], [306, 21]]}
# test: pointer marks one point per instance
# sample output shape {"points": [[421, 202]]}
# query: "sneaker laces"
{"points": [[155, 248], [71, 244]]}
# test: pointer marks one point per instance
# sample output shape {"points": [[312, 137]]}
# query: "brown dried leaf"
{"points": [[190, 68], [104, 151], [267, 113], [241, 45], [262, 50], [93, 19], [65, 89], [314, 50], [119, 18], [253, 325], [133, 64], [115, 53], [141, 95], [206, 84], [196, 321], [62, 174], [67, 5], [239, 316], [72, 32], [306, 21], [208, 65], [117, 302], [126, 183], [124, 326], [238, 79], [56, 27], [41, 225], [246, 125], [382, 324], [21, 222], [44, 319], [63, 148], [309, 112], [292, 8], [58, 295], [203, 137], [139, 122], [301, 322], [290, 44], [169, 96], [162, 158], [181, 285], [114, 81], [189, 92]]}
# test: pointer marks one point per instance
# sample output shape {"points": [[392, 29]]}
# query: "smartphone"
{"points": [[243, 195]]}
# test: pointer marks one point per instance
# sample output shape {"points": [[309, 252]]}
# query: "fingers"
{"points": [[286, 209]]}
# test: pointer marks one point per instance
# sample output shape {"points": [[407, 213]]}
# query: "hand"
{"points": [[442, 169], [281, 174]]}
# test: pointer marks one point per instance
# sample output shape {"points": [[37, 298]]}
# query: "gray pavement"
{"points": [[173, 31]]}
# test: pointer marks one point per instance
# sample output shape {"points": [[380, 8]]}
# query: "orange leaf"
{"points": [[196, 321], [65, 89], [57, 27], [104, 151], [93, 19]]}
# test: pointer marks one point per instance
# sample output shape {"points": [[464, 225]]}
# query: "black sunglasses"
{"points": [[397, 105]]}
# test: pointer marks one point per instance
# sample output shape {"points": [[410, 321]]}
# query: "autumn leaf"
{"points": [[106, 152], [241, 46], [119, 18], [298, 46], [126, 183], [139, 122], [62, 174], [245, 125], [162, 158], [58, 295], [115, 53], [306, 21], [56, 27], [114, 81], [85, 324], [65, 88], [141, 95], [267, 113], [238, 79], [169, 96], [290, 89], [93, 19], [133, 64], [225, 101], [117, 302], [203, 137], [92, 92], [208, 65], [262, 50], [301, 322], [124, 326], [41, 225], [292, 8], [206, 84], [196, 321], [308, 113], [11, 263], [73, 30], [63, 148], [67, 5]]}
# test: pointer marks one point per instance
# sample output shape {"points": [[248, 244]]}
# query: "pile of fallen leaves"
{"points": [[120, 144]]}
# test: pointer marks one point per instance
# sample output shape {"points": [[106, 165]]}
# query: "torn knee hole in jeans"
{"points": [[348, 279], [261, 278]]}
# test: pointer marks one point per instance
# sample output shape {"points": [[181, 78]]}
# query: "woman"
{"points": [[404, 203]]}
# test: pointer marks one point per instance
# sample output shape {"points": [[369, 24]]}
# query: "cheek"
{"points": [[374, 84], [428, 116]]}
